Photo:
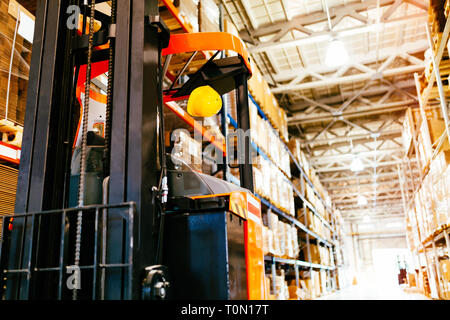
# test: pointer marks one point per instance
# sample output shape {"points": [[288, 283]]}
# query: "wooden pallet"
{"points": [[11, 133], [437, 37], [434, 92], [444, 69], [7, 126]]}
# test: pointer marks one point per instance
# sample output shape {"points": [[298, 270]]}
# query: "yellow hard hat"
{"points": [[204, 102]]}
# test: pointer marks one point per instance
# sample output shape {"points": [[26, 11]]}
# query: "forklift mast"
{"points": [[42, 252]]}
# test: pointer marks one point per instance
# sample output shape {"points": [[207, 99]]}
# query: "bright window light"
{"points": [[357, 165], [26, 27], [336, 54], [366, 218], [362, 200]]}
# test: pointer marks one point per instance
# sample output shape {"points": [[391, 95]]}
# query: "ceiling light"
{"points": [[357, 165], [394, 225], [336, 54], [362, 200]]}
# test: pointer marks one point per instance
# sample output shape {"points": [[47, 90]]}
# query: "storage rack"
{"points": [[310, 235], [176, 24], [439, 238], [276, 261], [9, 154]]}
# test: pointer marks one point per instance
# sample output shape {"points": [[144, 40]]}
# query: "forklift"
{"points": [[108, 214]]}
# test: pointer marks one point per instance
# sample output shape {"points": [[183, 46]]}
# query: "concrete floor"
{"points": [[373, 292]]}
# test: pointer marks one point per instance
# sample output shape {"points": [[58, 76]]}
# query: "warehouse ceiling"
{"points": [[353, 109]]}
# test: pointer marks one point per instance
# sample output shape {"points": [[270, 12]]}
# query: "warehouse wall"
{"points": [[364, 237]]}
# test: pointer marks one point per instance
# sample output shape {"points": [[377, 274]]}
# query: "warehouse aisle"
{"points": [[373, 292]]}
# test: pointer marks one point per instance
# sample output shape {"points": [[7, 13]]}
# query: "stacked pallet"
{"points": [[280, 239], [20, 69], [260, 91], [444, 67], [437, 20], [295, 148], [281, 285], [319, 255], [273, 185], [8, 187], [268, 140], [312, 285], [311, 281], [428, 135], [430, 215], [298, 293], [444, 70]]}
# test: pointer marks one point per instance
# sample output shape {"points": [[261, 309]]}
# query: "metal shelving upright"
{"points": [[428, 241], [309, 234]]}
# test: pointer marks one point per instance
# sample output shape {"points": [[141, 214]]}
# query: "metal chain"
{"points": [[81, 190]]}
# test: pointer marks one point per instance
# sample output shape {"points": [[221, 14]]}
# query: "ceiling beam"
{"points": [[355, 185], [369, 200], [370, 92], [349, 156], [345, 141], [302, 118], [358, 61], [334, 81], [382, 216], [387, 205], [356, 177], [313, 18], [327, 35], [382, 236], [348, 168], [384, 209], [370, 193]]}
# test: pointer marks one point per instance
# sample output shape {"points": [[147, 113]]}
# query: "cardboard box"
{"points": [[267, 288], [189, 10], [436, 128], [18, 85], [188, 150], [445, 267], [209, 16], [294, 292], [412, 280], [295, 148]]}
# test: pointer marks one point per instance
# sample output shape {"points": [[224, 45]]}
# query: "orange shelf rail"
{"points": [[9, 153], [175, 13]]}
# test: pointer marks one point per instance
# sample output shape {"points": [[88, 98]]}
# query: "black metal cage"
{"points": [[26, 272]]}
